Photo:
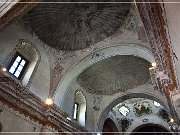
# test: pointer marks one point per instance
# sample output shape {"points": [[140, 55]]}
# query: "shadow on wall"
{"points": [[109, 126], [151, 129], [105, 112]]}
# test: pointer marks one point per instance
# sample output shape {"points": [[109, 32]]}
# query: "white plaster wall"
{"points": [[111, 50], [173, 19], [9, 38], [13, 121], [93, 117], [82, 115]]}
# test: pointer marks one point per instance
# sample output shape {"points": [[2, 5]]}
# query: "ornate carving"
{"points": [[145, 120], [155, 24], [28, 50], [57, 60], [125, 123], [153, 17], [97, 102], [142, 108]]}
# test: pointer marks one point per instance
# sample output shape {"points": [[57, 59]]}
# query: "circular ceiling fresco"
{"points": [[115, 74], [74, 26]]}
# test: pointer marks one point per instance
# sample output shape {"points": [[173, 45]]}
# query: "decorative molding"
{"points": [[13, 94], [152, 16], [30, 51], [142, 108], [97, 102], [145, 120], [125, 123]]}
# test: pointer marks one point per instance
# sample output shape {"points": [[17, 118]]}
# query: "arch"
{"points": [[109, 126], [32, 54], [138, 129], [80, 99], [90, 59], [105, 112]]}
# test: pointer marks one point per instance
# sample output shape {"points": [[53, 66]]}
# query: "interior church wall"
{"points": [[172, 11], [93, 117], [13, 121], [173, 19], [9, 38]]}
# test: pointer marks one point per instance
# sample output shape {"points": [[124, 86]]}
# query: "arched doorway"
{"points": [[151, 129], [109, 127]]}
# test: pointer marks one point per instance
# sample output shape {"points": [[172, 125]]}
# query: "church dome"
{"points": [[75, 26], [115, 74]]}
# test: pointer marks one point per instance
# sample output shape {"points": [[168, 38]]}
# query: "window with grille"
{"points": [[18, 65]]}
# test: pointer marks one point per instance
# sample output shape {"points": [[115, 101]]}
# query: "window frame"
{"points": [[156, 104], [24, 67], [123, 105], [77, 111]]}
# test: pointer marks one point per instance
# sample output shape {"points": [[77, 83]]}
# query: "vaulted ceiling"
{"points": [[115, 74], [76, 26]]}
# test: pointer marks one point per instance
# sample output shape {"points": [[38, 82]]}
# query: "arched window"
{"points": [[156, 104], [23, 61], [79, 111], [124, 110], [18, 65], [76, 111]]}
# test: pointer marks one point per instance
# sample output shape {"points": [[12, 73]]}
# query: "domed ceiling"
{"points": [[115, 74], [74, 26]]}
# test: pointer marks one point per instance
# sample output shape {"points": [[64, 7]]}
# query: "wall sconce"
{"points": [[49, 101], [171, 120], [153, 64], [4, 69]]}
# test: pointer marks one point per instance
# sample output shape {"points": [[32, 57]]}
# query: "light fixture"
{"points": [[4, 69], [68, 118], [171, 120], [153, 64], [98, 133], [49, 101]]}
